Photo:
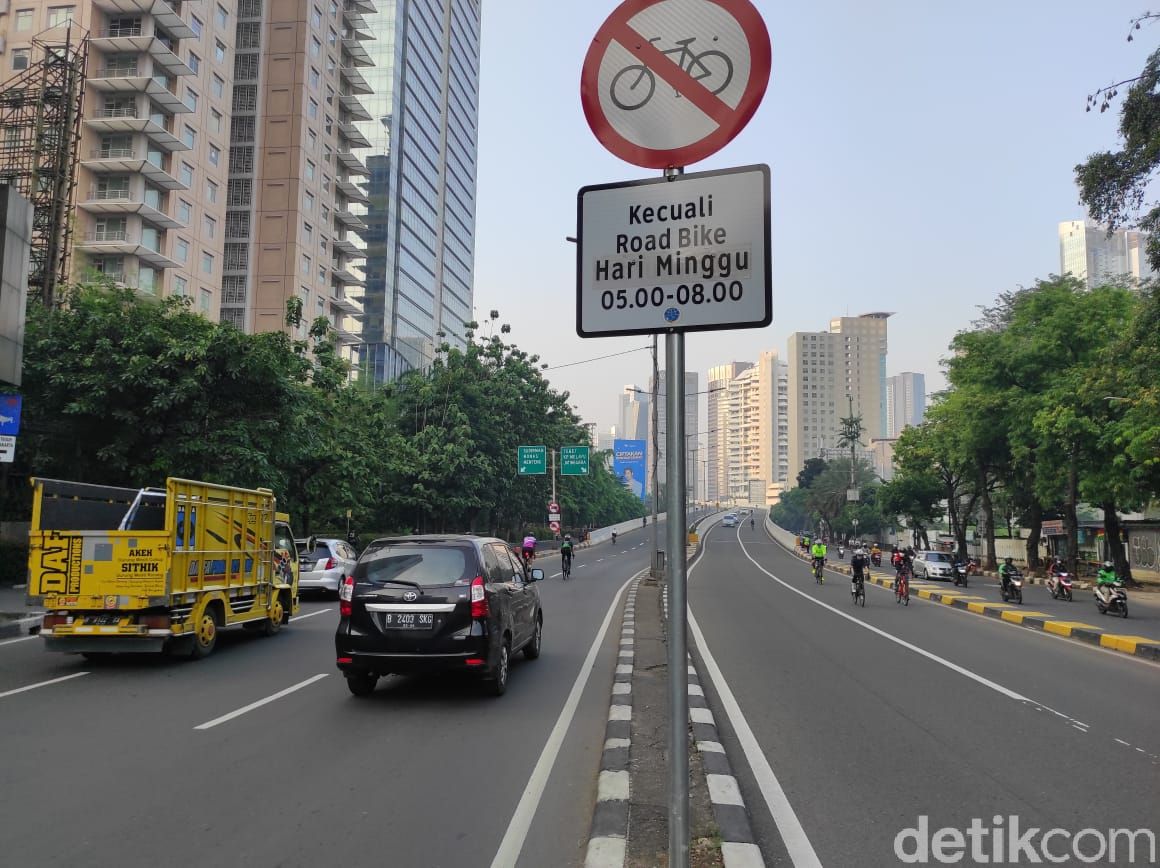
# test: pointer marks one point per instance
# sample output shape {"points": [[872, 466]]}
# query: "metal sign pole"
{"points": [[656, 484], [678, 655]]}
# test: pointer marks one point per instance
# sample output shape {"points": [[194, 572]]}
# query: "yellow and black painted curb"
{"points": [[1136, 646]]}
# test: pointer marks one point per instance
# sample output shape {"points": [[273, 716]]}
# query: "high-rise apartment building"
{"points": [[1088, 251], [634, 414], [150, 196], [717, 433], [826, 370], [753, 430], [420, 237], [694, 450], [905, 402], [293, 175]]}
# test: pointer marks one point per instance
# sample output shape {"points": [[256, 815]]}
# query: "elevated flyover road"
{"points": [[850, 726], [259, 755]]}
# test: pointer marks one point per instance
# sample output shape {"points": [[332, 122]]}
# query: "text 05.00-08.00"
{"points": [[696, 293]]}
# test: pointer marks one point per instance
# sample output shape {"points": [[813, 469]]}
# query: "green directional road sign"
{"points": [[533, 460], [573, 460]]}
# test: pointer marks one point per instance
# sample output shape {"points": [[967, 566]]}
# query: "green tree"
{"points": [[812, 469], [914, 495]]}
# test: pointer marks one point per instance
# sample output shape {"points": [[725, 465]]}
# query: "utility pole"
{"points": [[656, 485]]}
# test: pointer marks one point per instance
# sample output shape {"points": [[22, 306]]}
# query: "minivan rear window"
{"points": [[416, 565]]}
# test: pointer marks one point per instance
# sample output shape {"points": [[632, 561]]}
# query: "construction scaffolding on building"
{"points": [[40, 130]]}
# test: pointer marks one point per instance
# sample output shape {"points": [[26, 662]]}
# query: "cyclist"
{"points": [[614, 537], [529, 548], [858, 564], [818, 551], [566, 554], [751, 524]]}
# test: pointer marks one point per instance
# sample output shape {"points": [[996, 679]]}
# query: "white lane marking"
{"points": [[797, 844], [310, 614], [942, 661], [517, 831], [210, 724], [21, 639], [41, 684], [1124, 743]]}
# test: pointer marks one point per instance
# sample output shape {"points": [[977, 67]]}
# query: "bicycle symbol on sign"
{"points": [[633, 86]]}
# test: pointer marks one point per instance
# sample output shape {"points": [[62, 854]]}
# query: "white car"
{"points": [[729, 521], [324, 568], [933, 565]]}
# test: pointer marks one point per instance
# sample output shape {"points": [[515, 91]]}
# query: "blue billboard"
{"points": [[628, 462]]}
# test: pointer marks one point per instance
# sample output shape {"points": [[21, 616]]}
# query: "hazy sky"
{"points": [[922, 153]]}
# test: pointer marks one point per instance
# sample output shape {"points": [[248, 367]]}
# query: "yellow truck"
{"points": [[123, 569]]}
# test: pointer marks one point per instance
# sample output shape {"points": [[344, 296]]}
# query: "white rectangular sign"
{"points": [[687, 254], [7, 449]]}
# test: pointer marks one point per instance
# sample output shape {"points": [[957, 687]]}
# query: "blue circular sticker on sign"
{"points": [[672, 314]]}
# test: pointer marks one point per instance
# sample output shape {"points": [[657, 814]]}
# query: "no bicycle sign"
{"points": [[669, 82]]}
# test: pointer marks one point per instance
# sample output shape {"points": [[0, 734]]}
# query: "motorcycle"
{"points": [[1117, 603], [876, 559], [1012, 587], [841, 553], [1059, 586], [959, 569]]}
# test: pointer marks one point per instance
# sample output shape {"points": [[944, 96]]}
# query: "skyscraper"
{"points": [[716, 436], [633, 421], [149, 202], [825, 370], [420, 239], [293, 175], [751, 429], [1089, 252], [905, 402]]}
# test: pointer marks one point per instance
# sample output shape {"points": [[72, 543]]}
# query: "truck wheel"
{"points": [[277, 615], [206, 635]]}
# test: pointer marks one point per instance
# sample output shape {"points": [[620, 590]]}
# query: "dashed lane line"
{"points": [[40, 684]]}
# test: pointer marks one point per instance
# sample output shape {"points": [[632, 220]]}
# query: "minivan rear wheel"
{"points": [[532, 649], [499, 675], [361, 683]]}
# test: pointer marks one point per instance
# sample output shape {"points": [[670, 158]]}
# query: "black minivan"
{"points": [[418, 604]]}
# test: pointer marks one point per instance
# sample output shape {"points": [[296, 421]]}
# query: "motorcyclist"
{"points": [[1106, 579], [1057, 566], [1005, 570], [818, 552]]}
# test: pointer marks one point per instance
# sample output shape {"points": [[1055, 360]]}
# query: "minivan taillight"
{"points": [[478, 598], [345, 593], [329, 564]]}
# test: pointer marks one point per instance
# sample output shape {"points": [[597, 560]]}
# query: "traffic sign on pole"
{"points": [[555, 526], [669, 82], [7, 449], [553, 507], [660, 256], [533, 460], [574, 460], [10, 415]]}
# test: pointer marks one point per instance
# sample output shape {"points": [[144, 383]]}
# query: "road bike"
{"points": [[818, 563], [566, 568], [902, 587], [634, 86], [859, 592]]}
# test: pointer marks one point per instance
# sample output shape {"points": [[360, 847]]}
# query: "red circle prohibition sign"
{"points": [[654, 62]]}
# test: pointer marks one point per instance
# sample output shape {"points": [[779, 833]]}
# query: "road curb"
{"points": [[1016, 615], [22, 626], [739, 847], [608, 837]]}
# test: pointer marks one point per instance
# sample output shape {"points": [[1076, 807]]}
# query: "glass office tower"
{"points": [[420, 235]]}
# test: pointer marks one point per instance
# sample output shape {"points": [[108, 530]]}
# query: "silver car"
{"points": [[324, 568], [933, 565]]}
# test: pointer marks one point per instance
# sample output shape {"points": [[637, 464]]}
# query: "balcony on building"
{"points": [[364, 6], [353, 135], [355, 21], [124, 242], [347, 338], [149, 207], [354, 107], [349, 220], [358, 84], [352, 164], [131, 79], [131, 38], [347, 306], [135, 161], [354, 54], [353, 192], [347, 248], [342, 275], [168, 15], [129, 119]]}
